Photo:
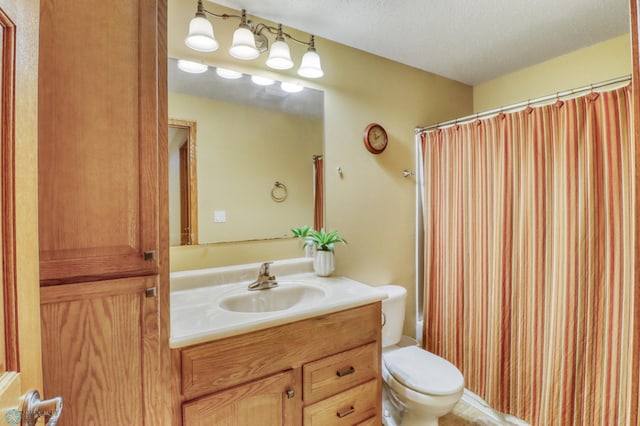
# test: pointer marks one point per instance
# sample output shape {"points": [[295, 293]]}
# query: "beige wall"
{"points": [[372, 205], [223, 254], [600, 62], [241, 152]]}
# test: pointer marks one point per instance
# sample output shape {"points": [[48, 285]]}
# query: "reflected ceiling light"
{"points": [[192, 67], [230, 74], [250, 40], [291, 87], [262, 81], [200, 37]]}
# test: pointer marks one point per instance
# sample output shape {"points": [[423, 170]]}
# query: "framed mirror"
{"points": [[243, 157]]}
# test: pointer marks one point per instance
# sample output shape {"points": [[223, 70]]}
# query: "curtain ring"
{"points": [[280, 188]]}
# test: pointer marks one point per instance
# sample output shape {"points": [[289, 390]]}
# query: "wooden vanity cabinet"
{"points": [[321, 371]]}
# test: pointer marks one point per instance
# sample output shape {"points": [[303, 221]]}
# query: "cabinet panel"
{"points": [[262, 402], [346, 408], [336, 373], [98, 139], [96, 349]]}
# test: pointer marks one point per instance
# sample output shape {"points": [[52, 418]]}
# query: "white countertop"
{"points": [[197, 318]]}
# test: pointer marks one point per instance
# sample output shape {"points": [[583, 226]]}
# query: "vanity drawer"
{"points": [[347, 408], [336, 373], [373, 421]]}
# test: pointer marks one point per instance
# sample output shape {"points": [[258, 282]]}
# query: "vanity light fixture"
{"points": [[244, 43], [191, 66], [250, 40], [228, 74], [200, 37], [280, 55]]}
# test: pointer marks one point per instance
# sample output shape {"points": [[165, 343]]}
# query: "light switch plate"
{"points": [[219, 216]]}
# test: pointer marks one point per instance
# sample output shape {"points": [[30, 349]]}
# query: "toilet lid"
{"points": [[423, 371]]}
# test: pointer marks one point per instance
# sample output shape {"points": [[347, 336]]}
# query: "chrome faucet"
{"points": [[265, 280]]}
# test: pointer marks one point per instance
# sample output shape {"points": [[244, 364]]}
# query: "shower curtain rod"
{"points": [[530, 102]]}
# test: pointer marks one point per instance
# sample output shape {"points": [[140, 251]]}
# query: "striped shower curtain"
{"points": [[529, 238]]}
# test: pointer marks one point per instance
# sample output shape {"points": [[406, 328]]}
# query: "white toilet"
{"points": [[419, 387]]}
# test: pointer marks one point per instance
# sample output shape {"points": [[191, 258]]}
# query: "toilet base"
{"points": [[412, 418], [402, 411]]}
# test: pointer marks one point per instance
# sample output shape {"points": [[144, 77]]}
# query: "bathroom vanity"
{"points": [[314, 363]]}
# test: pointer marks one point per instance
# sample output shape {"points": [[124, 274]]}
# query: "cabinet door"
{"points": [[264, 402], [100, 352], [99, 121]]}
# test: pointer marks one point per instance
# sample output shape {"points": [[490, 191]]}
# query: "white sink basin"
{"points": [[281, 298]]}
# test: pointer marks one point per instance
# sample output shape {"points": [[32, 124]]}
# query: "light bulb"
{"points": [[201, 36], [310, 66], [279, 55]]}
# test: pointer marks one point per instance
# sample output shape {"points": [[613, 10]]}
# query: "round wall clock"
{"points": [[375, 138]]}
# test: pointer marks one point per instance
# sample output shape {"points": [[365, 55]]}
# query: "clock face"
{"points": [[375, 138]]}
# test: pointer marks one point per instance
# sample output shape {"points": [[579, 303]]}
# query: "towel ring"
{"points": [[279, 192]]}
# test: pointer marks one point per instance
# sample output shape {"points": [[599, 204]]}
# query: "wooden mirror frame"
{"points": [[188, 190]]}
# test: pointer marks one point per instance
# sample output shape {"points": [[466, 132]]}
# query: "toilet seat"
{"points": [[423, 372]]}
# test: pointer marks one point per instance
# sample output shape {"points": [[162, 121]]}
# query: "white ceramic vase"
{"points": [[310, 250], [323, 263]]}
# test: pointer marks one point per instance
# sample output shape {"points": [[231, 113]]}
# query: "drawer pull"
{"points": [[345, 371], [290, 393], [345, 413]]}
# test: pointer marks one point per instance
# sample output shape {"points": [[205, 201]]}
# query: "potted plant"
{"points": [[301, 233], [324, 242]]}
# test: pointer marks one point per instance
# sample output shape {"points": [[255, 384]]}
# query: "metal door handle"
{"points": [[34, 407]]}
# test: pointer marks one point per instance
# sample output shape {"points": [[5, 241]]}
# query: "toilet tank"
{"points": [[393, 314]]}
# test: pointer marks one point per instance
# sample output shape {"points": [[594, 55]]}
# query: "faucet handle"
{"points": [[264, 268]]}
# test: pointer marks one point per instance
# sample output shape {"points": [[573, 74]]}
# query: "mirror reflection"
{"points": [[244, 159]]}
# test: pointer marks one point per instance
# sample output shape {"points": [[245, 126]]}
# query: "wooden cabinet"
{"points": [[100, 121], [268, 401], [100, 350], [102, 210], [332, 363]]}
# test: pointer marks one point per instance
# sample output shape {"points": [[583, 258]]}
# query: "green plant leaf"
{"points": [[323, 240], [301, 232]]}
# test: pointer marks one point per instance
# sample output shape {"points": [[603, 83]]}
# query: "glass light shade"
{"points": [[262, 81], [244, 44], [279, 56], [291, 87], [192, 67], [310, 65], [201, 36], [229, 74]]}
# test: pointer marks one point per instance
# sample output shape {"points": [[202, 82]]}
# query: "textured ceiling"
{"points": [[470, 41]]}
